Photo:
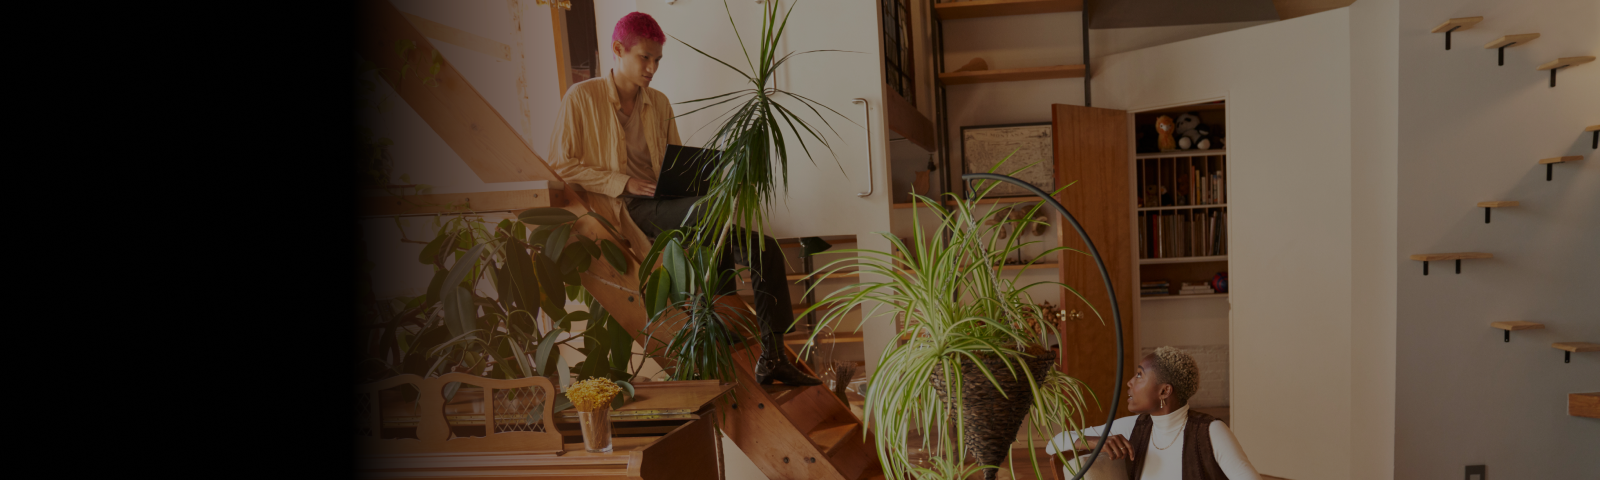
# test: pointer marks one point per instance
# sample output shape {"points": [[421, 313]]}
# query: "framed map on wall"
{"points": [[984, 147]]}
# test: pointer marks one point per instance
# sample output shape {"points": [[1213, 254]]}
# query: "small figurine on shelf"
{"points": [[1164, 128], [1192, 133], [1219, 282]]}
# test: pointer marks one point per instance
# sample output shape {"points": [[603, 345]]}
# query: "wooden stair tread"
{"points": [[1514, 40], [1584, 404], [999, 8], [1566, 62], [782, 394], [1517, 325], [1465, 23], [1434, 257], [1565, 159], [1499, 204], [828, 436], [1577, 346]]}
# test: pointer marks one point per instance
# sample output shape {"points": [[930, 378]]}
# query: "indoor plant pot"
{"points": [[990, 416]]}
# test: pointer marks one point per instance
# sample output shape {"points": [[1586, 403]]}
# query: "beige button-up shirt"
{"points": [[588, 147]]}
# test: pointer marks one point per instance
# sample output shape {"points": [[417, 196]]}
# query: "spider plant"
{"points": [[959, 309], [755, 149]]}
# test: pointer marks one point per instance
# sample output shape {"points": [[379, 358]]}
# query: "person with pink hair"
{"points": [[611, 138]]}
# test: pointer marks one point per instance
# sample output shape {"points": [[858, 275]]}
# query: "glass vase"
{"points": [[596, 426]]}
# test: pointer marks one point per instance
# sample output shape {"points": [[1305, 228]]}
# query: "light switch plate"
{"points": [[1476, 472]]}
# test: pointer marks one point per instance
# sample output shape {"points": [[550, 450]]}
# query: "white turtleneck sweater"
{"points": [[1166, 463]]}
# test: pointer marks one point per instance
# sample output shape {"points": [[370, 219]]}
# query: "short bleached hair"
{"points": [[1177, 368]]}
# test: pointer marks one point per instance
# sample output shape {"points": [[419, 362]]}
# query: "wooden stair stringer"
{"points": [[768, 431]]}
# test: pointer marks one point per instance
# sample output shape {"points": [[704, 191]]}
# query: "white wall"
{"points": [[1470, 131], [1374, 148], [1288, 90]]}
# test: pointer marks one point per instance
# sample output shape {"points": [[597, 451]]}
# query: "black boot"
{"points": [[775, 366]]}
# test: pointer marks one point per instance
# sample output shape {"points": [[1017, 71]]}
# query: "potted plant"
{"points": [[973, 347], [456, 327]]}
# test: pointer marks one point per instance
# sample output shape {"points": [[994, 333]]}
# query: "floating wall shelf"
{"points": [[1000, 8], [1584, 404], [1453, 25], [1458, 257], [1550, 164], [1012, 74], [1490, 206], [1594, 139], [1570, 347], [1510, 40], [1564, 62], [1518, 325]]}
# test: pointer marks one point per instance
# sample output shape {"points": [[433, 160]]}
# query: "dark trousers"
{"points": [[771, 283]]}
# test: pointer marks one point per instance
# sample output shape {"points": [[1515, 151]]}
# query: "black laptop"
{"points": [[685, 172]]}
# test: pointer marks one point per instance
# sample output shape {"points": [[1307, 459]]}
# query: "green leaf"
{"points": [[678, 266], [524, 281], [547, 345], [621, 345], [550, 280], [557, 242], [460, 314], [572, 278], [435, 284], [563, 372], [541, 235], [430, 252], [614, 255], [573, 260], [547, 216]]}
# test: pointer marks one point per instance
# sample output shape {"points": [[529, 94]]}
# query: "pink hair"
{"points": [[635, 26]]}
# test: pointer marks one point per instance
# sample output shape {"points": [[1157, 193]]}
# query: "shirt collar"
{"points": [[615, 95]]}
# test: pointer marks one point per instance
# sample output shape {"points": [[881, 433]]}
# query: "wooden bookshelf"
{"points": [[1192, 152], [1181, 207], [1584, 404], [1001, 8], [1153, 298], [1160, 261], [1012, 74]]}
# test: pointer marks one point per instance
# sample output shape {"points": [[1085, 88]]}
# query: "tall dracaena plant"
{"points": [[751, 136], [959, 307]]}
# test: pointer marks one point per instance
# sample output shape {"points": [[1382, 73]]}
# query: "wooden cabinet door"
{"points": [[1091, 149]]}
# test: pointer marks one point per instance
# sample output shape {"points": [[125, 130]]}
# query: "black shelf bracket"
{"points": [[1508, 336], [1486, 211], [1569, 357], [1594, 141], [1549, 171], [1447, 36], [1553, 75], [1503, 53], [1458, 266], [1424, 268]]}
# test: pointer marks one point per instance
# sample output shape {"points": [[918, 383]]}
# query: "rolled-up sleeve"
{"points": [[571, 147]]}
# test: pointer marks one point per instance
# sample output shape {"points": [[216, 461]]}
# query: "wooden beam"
{"points": [[558, 23], [499, 201], [905, 120], [461, 38], [455, 110]]}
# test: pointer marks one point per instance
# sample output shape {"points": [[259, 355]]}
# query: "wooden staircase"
{"points": [[788, 432]]}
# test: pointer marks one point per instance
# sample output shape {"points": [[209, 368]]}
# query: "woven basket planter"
{"points": [[990, 420]]}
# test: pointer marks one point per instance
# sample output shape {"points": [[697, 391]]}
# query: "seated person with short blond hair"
{"points": [[1166, 440]]}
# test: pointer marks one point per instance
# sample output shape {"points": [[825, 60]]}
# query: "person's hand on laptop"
{"points": [[640, 187]]}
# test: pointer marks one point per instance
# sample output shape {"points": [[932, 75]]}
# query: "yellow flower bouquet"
{"points": [[592, 398]]}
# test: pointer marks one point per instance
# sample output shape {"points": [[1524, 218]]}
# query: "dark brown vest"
{"points": [[1199, 463]]}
